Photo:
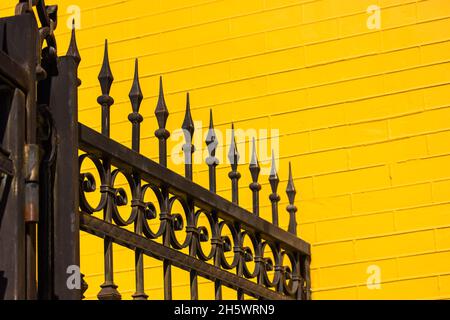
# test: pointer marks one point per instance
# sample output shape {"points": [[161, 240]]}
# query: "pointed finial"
{"points": [[211, 138], [188, 123], [291, 208], [161, 112], [105, 76], [136, 92], [73, 48], [290, 189], [273, 177], [254, 163], [233, 154], [274, 197]]}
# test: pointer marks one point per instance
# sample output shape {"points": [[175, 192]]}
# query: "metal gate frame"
{"points": [[43, 189]]}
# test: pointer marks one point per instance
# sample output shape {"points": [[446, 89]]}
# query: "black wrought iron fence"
{"points": [[236, 238]]}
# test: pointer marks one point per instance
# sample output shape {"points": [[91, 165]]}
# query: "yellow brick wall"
{"points": [[363, 115]]}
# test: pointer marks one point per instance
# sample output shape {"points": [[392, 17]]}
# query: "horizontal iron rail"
{"points": [[6, 165], [124, 158], [131, 240], [13, 73]]}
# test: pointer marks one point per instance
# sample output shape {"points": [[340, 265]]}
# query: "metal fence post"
{"points": [[65, 255]]}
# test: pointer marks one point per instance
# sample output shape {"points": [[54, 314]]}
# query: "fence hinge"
{"points": [[31, 167]]}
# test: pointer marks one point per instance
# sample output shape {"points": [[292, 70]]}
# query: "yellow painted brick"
{"points": [[390, 3], [349, 135], [444, 285], [332, 253], [397, 60], [196, 35], [215, 10], [437, 96], [424, 265], [356, 274], [318, 31], [433, 9], [388, 152], [435, 52], [384, 106], [325, 208], [353, 25], [341, 92], [305, 231], [354, 227], [245, 7], [324, 52], [441, 191], [392, 39], [420, 170], [406, 289], [394, 245], [391, 199], [424, 122], [266, 20], [351, 181], [420, 218], [443, 239], [268, 4], [399, 15], [438, 143], [363, 44], [322, 162], [268, 63], [265, 105], [418, 77], [232, 48], [300, 141], [325, 9], [337, 294], [434, 31], [309, 119], [283, 38]]}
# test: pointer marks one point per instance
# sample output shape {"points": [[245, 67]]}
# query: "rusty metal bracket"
{"points": [[31, 167]]}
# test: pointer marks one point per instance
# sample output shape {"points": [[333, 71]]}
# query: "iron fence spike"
{"points": [[291, 208], [188, 123], [73, 48], [105, 76], [135, 94], [161, 111]]}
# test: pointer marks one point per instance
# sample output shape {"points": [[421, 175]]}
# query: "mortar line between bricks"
{"points": [[364, 261], [313, 107], [247, 34], [383, 235], [318, 151], [400, 279], [306, 66]]}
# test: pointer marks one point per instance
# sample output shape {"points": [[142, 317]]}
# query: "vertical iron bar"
{"points": [[162, 113], [188, 149], [234, 175], [212, 162], [137, 204], [108, 288]]}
